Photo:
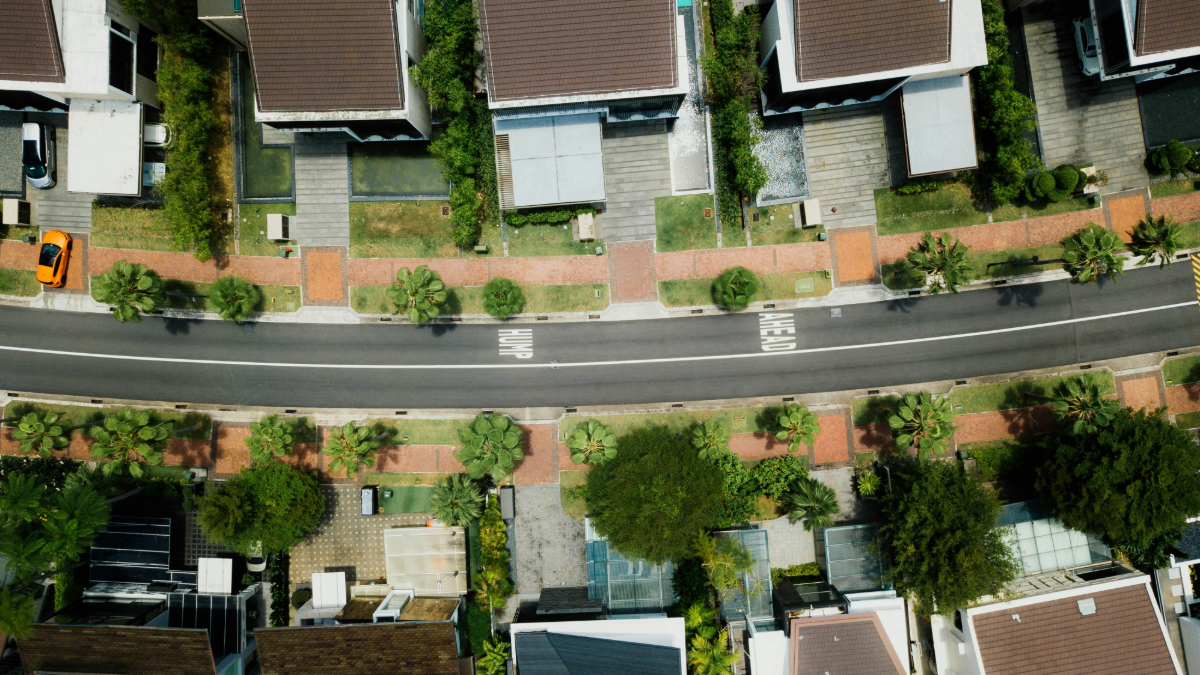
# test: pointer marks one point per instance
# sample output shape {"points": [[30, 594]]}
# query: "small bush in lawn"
{"points": [[735, 289], [1173, 158], [502, 298], [1055, 185], [301, 596]]}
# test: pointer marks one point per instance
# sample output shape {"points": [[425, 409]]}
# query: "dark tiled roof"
{"points": [[325, 55], [409, 648], [541, 48], [428, 609], [359, 609], [846, 644], [1122, 637], [540, 653], [567, 600], [116, 649], [840, 38], [29, 50], [1165, 25]]}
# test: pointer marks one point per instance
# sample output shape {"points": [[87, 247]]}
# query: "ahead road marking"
{"points": [[778, 332], [628, 362]]}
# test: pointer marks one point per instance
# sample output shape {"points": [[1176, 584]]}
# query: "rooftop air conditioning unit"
{"points": [[278, 227]]}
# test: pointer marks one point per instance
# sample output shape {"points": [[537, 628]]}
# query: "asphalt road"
{"points": [[708, 357]]}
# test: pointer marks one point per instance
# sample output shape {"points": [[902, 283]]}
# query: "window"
{"points": [[120, 58], [147, 53], [49, 256], [958, 619]]}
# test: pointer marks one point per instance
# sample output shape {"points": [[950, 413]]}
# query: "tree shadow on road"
{"points": [[177, 326], [1025, 294]]}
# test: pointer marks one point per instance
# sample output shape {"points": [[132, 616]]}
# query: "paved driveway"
{"points": [[547, 545]]}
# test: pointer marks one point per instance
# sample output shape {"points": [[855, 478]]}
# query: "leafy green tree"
{"points": [[502, 298], [456, 501], [941, 263], [273, 503], [1172, 158], [418, 294], [1091, 253], [1156, 237], [655, 496], [775, 475], [592, 443], [495, 657], [700, 619], [711, 656], [923, 421], [234, 298], [491, 446], [41, 432], [939, 528], [796, 425], [710, 439], [492, 585], [735, 289], [724, 558], [868, 484], [132, 289], [1081, 403], [1131, 481], [127, 435], [269, 438], [350, 446], [813, 502]]}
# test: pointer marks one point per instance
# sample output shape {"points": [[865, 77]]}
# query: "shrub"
{"points": [[185, 89], [132, 289], [491, 446], [923, 421], [277, 569], [495, 657], [735, 289], [127, 435], [272, 503], [804, 570], [592, 443], [41, 432], [710, 439], [654, 497], [941, 263], [301, 596], [269, 438], [691, 583], [418, 293], [1055, 185], [740, 488], [916, 187], [234, 298], [723, 558], [774, 475], [1172, 158], [350, 446], [796, 425], [502, 298], [456, 501], [551, 216], [493, 586], [1090, 254]]}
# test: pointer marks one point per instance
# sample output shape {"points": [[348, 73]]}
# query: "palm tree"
{"points": [[350, 446], [234, 298], [812, 501], [132, 289], [418, 294], [924, 421], [1156, 237], [710, 439], [127, 435], [711, 656], [735, 289], [502, 298], [796, 425], [269, 438], [700, 619], [868, 483], [1090, 254], [1082, 404], [495, 657], [491, 444], [456, 501], [41, 432], [592, 443], [16, 613], [941, 263]]}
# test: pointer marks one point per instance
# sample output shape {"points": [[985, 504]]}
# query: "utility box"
{"points": [[279, 227], [507, 510], [812, 212], [17, 212], [370, 500], [587, 227]]}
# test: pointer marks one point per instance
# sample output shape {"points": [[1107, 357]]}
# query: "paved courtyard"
{"points": [[547, 545]]}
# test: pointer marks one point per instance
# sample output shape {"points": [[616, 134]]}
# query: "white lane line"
{"points": [[626, 362]]}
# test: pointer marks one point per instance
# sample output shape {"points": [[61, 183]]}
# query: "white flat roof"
{"points": [[104, 152], [939, 134], [555, 159]]}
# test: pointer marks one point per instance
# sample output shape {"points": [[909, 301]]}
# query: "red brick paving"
{"points": [[996, 236], [1183, 208], [232, 453], [407, 459], [750, 447], [564, 460], [1183, 398], [324, 270], [18, 255], [255, 269], [631, 265], [1053, 229], [1124, 214], [188, 452], [873, 438], [854, 259], [76, 277], [832, 443], [539, 466], [305, 456], [1141, 393], [992, 426]]}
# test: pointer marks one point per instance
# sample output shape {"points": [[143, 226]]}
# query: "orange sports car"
{"points": [[52, 261]]}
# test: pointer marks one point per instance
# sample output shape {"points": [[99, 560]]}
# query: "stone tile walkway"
{"points": [[637, 168], [848, 159], [788, 543], [547, 545], [322, 190]]}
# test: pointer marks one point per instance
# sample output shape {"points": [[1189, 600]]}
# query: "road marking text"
{"points": [[778, 332], [516, 342]]}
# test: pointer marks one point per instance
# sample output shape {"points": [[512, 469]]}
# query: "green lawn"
{"points": [[1189, 234], [405, 498], [946, 208], [135, 227], [400, 230], [776, 225], [1054, 208], [1012, 464], [538, 240], [469, 299], [252, 230], [267, 171], [692, 292], [735, 420], [1189, 420], [1009, 395], [1171, 188], [15, 232], [401, 169], [19, 282], [681, 226], [191, 295], [874, 410], [74, 415], [572, 504], [1183, 370], [170, 472]]}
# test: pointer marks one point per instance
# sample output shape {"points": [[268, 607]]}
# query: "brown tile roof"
{"points": [[409, 648], [1122, 637], [359, 609], [116, 649], [428, 609], [1165, 25], [325, 55], [29, 50], [840, 38], [846, 644], [542, 48]]}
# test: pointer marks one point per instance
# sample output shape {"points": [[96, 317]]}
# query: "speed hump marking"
{"points": [[516, 342]]}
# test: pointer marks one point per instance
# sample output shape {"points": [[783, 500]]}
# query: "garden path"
{"points": [[322, 190]]}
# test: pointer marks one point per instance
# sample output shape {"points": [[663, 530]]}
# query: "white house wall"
{"points": [[415, 99]]}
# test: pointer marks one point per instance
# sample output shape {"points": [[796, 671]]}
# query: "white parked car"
{"points": [[1085, 44], [37, 154]]}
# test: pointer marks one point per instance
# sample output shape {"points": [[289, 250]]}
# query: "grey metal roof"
{"points": [[852, 558], [752, 599], [539, 653]]}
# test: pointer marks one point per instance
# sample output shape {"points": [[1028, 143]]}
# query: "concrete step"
{"points": [[70, 215]]}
